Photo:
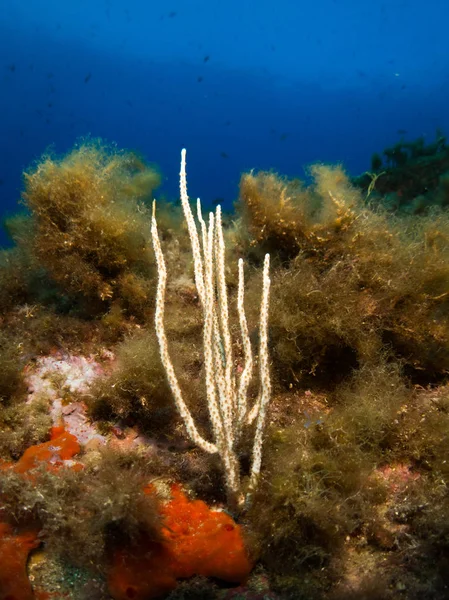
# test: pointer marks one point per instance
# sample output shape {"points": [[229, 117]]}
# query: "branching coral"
{"points": [[226, 394]]}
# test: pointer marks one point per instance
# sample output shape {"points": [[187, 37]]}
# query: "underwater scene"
{"points": [[224, 300]]}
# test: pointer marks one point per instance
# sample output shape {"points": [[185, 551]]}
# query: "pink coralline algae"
{"points": [[60, 377]]}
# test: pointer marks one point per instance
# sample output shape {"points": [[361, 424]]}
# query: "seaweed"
{"points": [[90, 220]]}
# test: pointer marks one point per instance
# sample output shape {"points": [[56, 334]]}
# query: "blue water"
{"points": [[241, 84]]}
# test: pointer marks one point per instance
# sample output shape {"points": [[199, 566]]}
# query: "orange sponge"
{"points": [[197, 541], [14, 550], [62, 446]]}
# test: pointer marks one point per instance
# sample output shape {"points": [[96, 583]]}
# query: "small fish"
{"points": [[87, 78], [224, 155], [11, 67], [199, 79], [172, 14], [206, 58]]}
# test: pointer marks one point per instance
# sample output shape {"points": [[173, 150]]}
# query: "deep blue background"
{"points": [[241, 84]]}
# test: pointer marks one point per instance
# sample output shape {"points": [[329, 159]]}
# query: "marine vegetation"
{"points": [[412, 176], [89, 224], [110, 352]]}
